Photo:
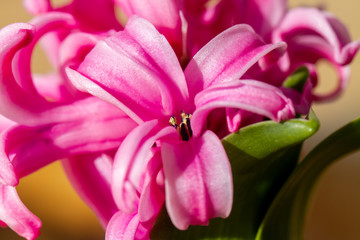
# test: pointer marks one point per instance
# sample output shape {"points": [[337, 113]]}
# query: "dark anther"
{"points": [[189, 127], [184, 132], [184, 129]]}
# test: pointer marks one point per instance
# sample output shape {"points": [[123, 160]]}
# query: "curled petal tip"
{"points": [[16, 32], [7, 172], [15, 214], [37, 6], [274, 53], [9, 178], [53, 19], [349, 52]]}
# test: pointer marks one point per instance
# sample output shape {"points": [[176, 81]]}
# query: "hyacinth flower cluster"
{"points": [[136, 112]]}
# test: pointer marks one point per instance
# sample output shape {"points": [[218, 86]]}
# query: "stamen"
{"points": [[184, 129], [184, 132], [189, 126], [172, 122]]}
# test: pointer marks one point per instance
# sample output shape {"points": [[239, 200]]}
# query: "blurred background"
{"points": [[335, 210]]}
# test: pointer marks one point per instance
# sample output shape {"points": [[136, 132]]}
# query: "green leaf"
{"points": [[262, 156], [286, 216], [297, 79]]}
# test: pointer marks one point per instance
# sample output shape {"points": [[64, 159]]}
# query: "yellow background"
{"points": [[335, 212]]}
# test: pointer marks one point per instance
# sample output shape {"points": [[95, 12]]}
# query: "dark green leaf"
{"points": [[262, 156], [286, 216]]}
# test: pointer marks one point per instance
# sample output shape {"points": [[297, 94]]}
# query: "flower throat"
{"points": [[184, 128]]}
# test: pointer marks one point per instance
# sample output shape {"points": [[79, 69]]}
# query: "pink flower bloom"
{"points": [[90, 175], [298, 27], [328, 39], [84, 13], [42, 131], [163, 14], [184, 162], [311, 35]]}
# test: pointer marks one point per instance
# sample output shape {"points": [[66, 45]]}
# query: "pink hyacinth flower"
{"points": [[86, 15], [299, 28], [311, 35], [316, 35], [163, 14], [42, 131], [138, 71], [90, 175]]}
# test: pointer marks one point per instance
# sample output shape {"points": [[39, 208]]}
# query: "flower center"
{"points": [[184, 128]]}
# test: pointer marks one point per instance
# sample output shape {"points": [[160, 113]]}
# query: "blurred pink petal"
{"points": [[84, 11], [37, 6], [44, 24], [228, 56], [308, 42], [16, 216], [90, 175], [262, 15], [163, 14], [124, 226]]}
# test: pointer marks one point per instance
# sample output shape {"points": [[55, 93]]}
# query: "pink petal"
{"points": [[131, 160], [198, 180], [51, 86], [5, 123], [101, 128], [14, 213], [51, 22], [205, 21], [344, 76], [17, 104], [7, 172], [138, 67], [208, 21], [12, 98], [305, 22], [250, 95], [307, 50], [228, 56], [124, 226], [37, 6], [152, 196], [163, 14], [72, 52], [75, 47], [263, 15], [84, 84], [87, 13], [2, 224], [237, 118], [90, 175]]}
